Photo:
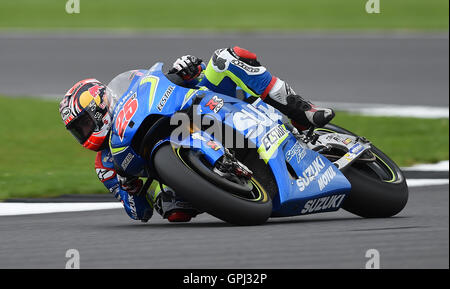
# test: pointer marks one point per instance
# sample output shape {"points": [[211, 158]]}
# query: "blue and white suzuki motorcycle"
{"points": [[239, 161]]}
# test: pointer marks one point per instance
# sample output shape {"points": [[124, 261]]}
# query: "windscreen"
{"points": [[118, 86]]}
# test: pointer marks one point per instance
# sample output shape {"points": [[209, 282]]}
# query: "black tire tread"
{"points": [[206, 196], [373, 198]]}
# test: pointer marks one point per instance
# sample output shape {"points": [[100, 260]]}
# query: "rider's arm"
{"points": [[136, 206], [235, 67]]}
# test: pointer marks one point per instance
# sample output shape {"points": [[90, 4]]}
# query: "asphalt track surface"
{"points": [[417, 238], [407, 69]]}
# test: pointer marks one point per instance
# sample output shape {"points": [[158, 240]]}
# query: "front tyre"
{"points": [[204, 195], [379, 188]]}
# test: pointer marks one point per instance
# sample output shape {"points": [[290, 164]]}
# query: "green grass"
{"points": [[407, 141], [226, 15], [39, 158]]}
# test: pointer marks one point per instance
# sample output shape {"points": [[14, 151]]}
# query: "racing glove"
{"points": [[188, 67], [131, 185], [137, 206]]}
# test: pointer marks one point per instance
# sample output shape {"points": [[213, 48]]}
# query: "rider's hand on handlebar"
{"points": [[188, 67]]}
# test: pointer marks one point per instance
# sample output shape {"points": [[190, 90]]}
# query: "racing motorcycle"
{"points": [[262, 168]]}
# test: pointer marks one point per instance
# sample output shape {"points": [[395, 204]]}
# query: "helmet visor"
{"points": [[82, 127]]}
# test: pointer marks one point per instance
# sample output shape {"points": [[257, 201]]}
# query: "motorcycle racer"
{"points": [[87, 113]]}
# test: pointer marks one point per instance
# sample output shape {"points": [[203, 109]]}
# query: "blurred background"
{"points": [[333, 52]]}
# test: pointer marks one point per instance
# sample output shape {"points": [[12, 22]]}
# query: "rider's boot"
{"points": [[173, 208], [302, 113]]}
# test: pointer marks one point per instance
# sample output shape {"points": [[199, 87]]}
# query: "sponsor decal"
{"points": [[215, 104], [98, 116], [347, 141], [90, 98], [64, 104], [356, 148], [165, 97], [244, 66], [198, 136], [120, 104], [322, 204], [296, 151], [95, 90], [188, 96], [219, 63], [132, 206], [104, 174], [115, 191], [93, 106], [335, 138], [127, 161], [135, 73], [326, 178], [273, 136], [108, 158], [212, 144], [349, 157], [353, 151], [182, 204], [65, 113], [310, 173], [124, 116]]}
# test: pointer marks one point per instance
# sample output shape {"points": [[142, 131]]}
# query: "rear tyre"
{"points": [[175, 172], [379, 189]]}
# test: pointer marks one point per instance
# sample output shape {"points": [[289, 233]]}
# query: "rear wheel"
{"points": [[378, 188], [239, 205]]}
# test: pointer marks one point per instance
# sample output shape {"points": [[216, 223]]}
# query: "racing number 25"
{"points": [[125, 115]]}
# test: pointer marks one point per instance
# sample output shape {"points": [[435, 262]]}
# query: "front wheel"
{"points": [[379, 188], [174, 170]]}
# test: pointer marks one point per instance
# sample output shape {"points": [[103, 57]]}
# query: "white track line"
{"points": [[13, 209], [395, 110], [438, 167], [426, 182]]}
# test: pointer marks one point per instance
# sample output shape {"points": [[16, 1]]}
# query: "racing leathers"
{"points": [[229, 69]]}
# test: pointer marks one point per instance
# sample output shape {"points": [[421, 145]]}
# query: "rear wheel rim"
{"points": [[379, 167]]}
